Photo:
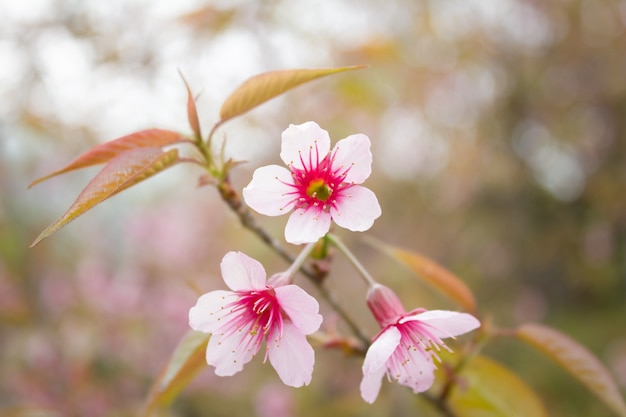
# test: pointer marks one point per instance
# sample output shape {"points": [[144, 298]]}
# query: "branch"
{"points": [[439, 403], [233, 199]]}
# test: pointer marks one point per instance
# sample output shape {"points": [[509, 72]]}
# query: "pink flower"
{"points": [[319, 185], [405, 347], [254, 311]]}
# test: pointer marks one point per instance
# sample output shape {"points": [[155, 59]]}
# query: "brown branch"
{"points": [[233, 200], [439, 404]]}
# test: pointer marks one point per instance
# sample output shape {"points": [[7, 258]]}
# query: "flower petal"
{"points": [[301, 308], [306, 142], [292, 356], [356, 210], [268, 192], [306, 226], [205, 316], [443, 323], [371, 383], [230, 353], [381, 349], [241, 272], [354, 152], [374, 365], [415, 370]]}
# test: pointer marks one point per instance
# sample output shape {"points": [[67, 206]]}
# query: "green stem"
{"points": [[353, 260], [299, 261], [205, 151]]}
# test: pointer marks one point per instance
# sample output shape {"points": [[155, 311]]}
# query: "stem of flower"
{"points": [[353, 260], [299, 261]]}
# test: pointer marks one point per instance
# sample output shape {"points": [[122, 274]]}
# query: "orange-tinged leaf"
{"points": [[265, 86], [433, 274], [488, 389], [576, 360], [150, 138], [187, 360], [192, 111], [118, 174]]}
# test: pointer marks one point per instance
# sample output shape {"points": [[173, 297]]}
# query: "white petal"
{"points": [[301, 308], [371, 383], [292, 356], [444, 323], [241, 272], [229, 354], [354, 152], [357, 209], [375, 363], [268, 192], [306, 142], [381, 350], [205, 316], [306, 226]]}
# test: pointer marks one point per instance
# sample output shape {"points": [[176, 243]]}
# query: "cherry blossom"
{"points": [[407, 343], [256, 310], [319, 185]]}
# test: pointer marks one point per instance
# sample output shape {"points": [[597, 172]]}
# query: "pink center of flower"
{"points": [[319, 184], [420, 334], [417, 338], [257, 313]]}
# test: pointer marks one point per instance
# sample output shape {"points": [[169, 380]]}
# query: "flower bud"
{"points": [[384, 304]]}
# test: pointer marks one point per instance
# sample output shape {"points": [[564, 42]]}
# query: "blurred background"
{"points": [[498, 131]]}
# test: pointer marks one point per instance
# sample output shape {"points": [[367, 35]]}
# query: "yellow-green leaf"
{"points": [[187, 360], [486, 388], [150, 138], [432, 273], [265, 86], [121, 172], [576, 360]]}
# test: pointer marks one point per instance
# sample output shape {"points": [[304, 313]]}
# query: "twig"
{"points": [[441, 405], [232, 198]]}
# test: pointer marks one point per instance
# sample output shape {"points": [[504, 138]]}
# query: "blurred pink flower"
{"points": [[319, 185], [274, 400], [405, 347], [255, 310]]}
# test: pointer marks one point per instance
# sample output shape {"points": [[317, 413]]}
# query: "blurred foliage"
{"points": [[499, 140]]}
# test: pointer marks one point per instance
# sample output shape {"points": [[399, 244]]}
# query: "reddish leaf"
{"points": [[433, 274], [187, 360], [268, 85], [151, 138], [577, 360], [118, 174], [192, 112]]}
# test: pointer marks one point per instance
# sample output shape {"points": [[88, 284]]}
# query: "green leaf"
{"points": [[486, 388], [151, 138], [192, 111], [187, 360], [432, 273], [265, 86], [576, 360], [121, 172]]}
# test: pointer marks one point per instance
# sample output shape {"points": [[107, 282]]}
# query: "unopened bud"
{"points": [[384, 304]]}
